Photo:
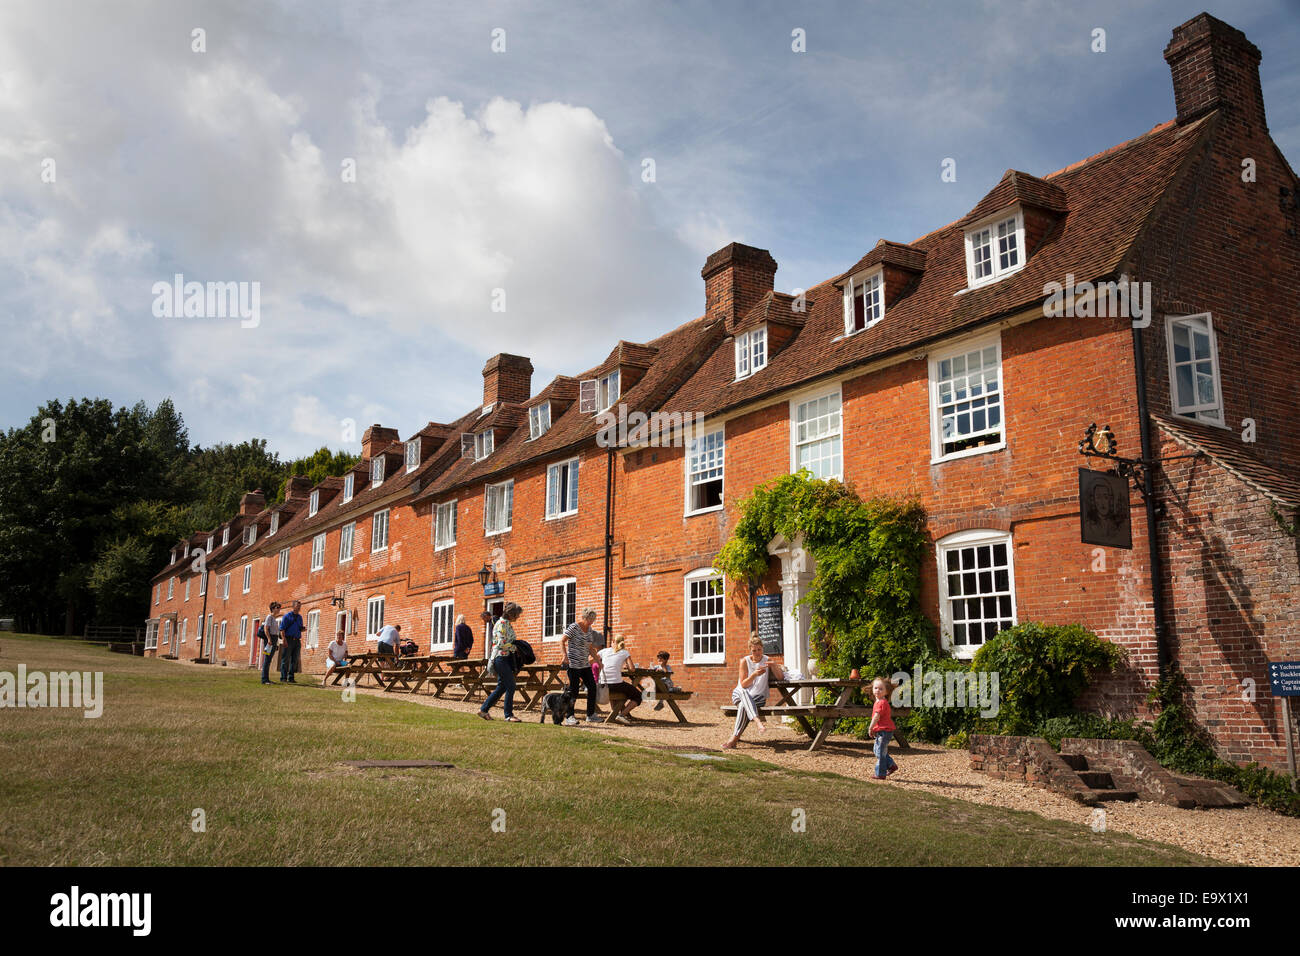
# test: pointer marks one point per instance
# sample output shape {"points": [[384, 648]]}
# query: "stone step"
{"points": [[1075, 761], [1097, 779], [1114, 794]]}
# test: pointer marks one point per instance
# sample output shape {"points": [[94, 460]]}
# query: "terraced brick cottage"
{"points": [[932, 366]]}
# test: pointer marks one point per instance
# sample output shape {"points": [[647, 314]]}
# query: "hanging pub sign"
{"points": [[770, 630], [1104, 509]]}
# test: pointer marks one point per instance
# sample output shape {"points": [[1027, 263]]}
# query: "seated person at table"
{"points": [[389, 638], [336, 654], [612, 660], [751, 688], [662, 665]]}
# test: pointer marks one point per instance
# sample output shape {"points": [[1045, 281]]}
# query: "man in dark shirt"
{"points": [[291, 631]]}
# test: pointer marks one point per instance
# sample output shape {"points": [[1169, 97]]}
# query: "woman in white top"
{"points": [[612, 660], [751, 688], [336, 656]]}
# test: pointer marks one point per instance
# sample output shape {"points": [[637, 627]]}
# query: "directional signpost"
{"points": [[1284, 679]]}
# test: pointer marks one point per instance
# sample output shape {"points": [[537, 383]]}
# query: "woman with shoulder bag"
{"points": [[501, 662]]}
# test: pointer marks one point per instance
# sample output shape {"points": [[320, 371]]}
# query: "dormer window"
{"points": [[211, 540], [539, 420], [347, 487], [607, 390], [864, 301], [995, 249], [376, 471], [275, 524], [412, 454], [250, 534], [751, 351], [487, 409], [313, 503], [225, 536], [484, 444], [173, 561]]}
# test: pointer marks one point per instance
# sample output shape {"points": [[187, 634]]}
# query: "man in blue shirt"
{"points": [[291, 631]]}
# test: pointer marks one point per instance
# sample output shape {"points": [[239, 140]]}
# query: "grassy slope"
{"points": [[263, 763]]}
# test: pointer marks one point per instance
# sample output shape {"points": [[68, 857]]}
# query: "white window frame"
{"points": [[608, 390], [751, 352], [225, 536], [157, 594], [442, 621], [347, 541], [312, 639], [187, 588], [243, 630], [375, 525], [413, 460], [185, 629], [691, 471], [349, 482], [536, 428], [313, 503], [484, 444], [566, 473], [992, 225], [166, 632], [977, 538], [374, 617], [442, 514], [688, 655], [171, 587], [377, 471], [318, 552], [873, 281], [831, 435], [1209, 413], [250, 535], [507, 495], [211, 540], [203, 583], [282, 568], [962, 349], [225, 586], [221, 643], [248, 578], [553, 625], [275, 524]]}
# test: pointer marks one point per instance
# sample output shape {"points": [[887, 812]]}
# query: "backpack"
{"points": [[261, 632], [523, 654]]}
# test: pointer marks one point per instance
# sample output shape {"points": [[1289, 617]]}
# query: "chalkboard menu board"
{"points": [[769, 623]]}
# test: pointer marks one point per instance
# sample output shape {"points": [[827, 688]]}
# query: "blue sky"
{"points": [[518, 170]]}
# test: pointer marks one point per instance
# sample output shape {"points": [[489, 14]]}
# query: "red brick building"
{"points": [[936, 367]]}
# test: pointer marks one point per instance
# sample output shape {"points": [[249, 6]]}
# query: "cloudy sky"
{"points": [[521, 170]]}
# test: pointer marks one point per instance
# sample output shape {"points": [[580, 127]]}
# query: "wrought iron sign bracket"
{"points": [[1101, 443]]}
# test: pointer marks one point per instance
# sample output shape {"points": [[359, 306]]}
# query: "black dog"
{"points": [[559, 706]]}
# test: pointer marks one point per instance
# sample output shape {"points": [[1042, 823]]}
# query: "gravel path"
{"points": [[1247, 835]]}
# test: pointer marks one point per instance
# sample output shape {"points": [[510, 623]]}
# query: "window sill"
{"points": [[493, 534], [379, 550], [562, 514], [1182, 417], [969, 452], [705, 661], [445, 547], [704, 511]]}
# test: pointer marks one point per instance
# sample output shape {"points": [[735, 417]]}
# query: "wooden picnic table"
{"points": [[407, 669], [662, 691], [358, 666], [532, 681], [845, 687]]}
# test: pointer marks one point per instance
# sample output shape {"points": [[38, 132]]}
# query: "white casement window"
{"points": [[995, 249], [704, 470], [441, 622], [203, 584], [243, 629], [225, 536], [966, 400], [250, 534], [282, 572], [977, 588], [212, 629], [313, 629], [313, 503], [157, 594], [275, 524], [379, 532], [864, 301], [559, 607], [185, 629], [498, 507], [211, 540], [348, 481], [167, 632], [444, 525], [705, 618], [562, 489], [173, 560], [346, 536], [816, 431], [222, 641], [376, 470], [374, 617], [484, 444], [412, 454], [1194, 385], [248, 578], [187, 588], [318, 552], [171, 588], [225, 586], [607, 391], [539, 420], [751, 351]]}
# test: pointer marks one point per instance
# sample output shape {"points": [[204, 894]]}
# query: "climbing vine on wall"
{"points": [[865, 595]]}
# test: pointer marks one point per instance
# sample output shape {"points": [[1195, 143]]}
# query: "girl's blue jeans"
{"points": [[883, 761]]}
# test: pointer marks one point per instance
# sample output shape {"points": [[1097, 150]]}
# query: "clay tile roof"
{"points": [[774, 307], [888, 253], [629, 354], [506, 415], [1228, 452], [563, 388], [1018, 187]]}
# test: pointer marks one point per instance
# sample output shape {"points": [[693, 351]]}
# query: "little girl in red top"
{"points": [[882, 725]]}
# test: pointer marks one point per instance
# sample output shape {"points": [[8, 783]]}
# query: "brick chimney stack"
{"points": [[507, 378], [375, 440], [252, 503], [297, 488], [1215, 66], [736, 277]]}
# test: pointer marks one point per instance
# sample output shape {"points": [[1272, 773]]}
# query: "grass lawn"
{"points": [[264, 764]]}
